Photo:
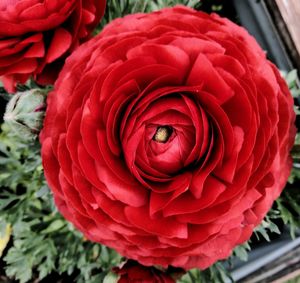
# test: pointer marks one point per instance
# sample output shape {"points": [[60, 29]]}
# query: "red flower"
{"points": [[132, 272], [37, 35], [167, 137]]}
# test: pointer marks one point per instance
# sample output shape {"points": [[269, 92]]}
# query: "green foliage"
{"points": [[119, 8], [296, 157], [267, 226], [217, 273], [241, 251], [159, 4], [43, 242], [293, 83], [294, 280], [295, 174], [288, 206]]}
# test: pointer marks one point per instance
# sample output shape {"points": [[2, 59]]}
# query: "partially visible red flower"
{"points": [[133, 272], [37, 35]]}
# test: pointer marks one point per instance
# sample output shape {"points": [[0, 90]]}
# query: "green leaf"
{"points": [[216, 274], [43, 191], [18, 268], [295, 175], [288, 206], [54, 226], [242, 251], [291, 77], [111, 278]]}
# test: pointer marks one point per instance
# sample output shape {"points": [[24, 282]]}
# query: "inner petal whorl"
{"points": [[164, 136]]}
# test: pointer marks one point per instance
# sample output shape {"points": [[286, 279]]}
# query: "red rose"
{"points": [[132, 272], [37, 35], [167, 137]]}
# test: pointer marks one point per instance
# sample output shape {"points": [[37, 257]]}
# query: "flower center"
{"points": [[163, 133]]}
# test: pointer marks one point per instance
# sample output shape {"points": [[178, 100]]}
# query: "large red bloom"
{"points": [[167, 137], [37, 35]]}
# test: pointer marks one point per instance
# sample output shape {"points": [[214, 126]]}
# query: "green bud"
{"points": [[25, 113]]}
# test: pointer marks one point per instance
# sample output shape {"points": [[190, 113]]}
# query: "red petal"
{"points": [[60, 43], [167, 227]]}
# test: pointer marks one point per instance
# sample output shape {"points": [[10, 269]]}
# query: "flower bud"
{"points": [[25, 113]]}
